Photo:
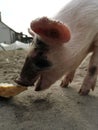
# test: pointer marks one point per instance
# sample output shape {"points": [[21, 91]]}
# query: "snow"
{"points": [[14, 46]]}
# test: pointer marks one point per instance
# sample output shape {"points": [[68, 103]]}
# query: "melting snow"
{"points": [[14, 46]]}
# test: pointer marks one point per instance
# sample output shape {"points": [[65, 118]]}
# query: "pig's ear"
{"points": [[50, 30], [30, 32]]}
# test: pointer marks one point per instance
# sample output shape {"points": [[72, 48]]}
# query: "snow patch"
{"points": [[14, 46]]}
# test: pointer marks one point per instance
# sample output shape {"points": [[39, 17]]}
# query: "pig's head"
{"points": [[43, 59]]}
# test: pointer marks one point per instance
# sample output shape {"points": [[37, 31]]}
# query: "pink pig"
{"points": [[60, 45]]}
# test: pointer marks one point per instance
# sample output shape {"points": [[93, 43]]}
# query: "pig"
{"points": [[59, 46]]}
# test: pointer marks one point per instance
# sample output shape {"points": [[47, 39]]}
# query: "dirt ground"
{"points": [[53, 109]]}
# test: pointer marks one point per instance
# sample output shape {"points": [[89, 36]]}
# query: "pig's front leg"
{"points": [[67, 79], [91, 77]]}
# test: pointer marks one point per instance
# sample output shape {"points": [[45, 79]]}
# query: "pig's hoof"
{"points": [[84, 92], [64, 85]]}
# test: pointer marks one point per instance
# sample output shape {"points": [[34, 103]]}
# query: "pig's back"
{"points": [[82, 18], [80, 13]]}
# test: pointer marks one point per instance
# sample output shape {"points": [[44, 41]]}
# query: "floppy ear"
{"points": [[51, 31]]}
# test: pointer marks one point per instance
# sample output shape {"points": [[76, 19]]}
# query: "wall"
{"points": [[6, 34]]}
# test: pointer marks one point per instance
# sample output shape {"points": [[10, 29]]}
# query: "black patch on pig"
{"points": [[41, 62], [33, 65], [92, 70], [40, 45], [29, 69]]}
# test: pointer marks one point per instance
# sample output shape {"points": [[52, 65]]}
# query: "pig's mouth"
{"points": [[24, 82]]}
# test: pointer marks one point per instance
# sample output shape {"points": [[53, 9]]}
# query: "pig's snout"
{"points": [[29, 73], [25, 82], [32, 69], [27, 77]]}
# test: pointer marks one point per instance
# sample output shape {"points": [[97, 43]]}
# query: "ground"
{"points": [[53, 109]]}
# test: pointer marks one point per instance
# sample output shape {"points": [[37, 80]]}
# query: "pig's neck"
{"points": [[69, 57], [72, 55]]}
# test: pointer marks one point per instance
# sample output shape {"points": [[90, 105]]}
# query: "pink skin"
{"points": [[67, 79], [50, 32], [91, 77], [46, 80], [65, 52]]}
